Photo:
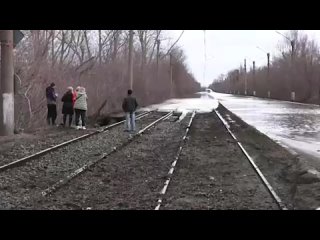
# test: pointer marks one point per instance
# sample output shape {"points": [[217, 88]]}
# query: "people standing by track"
{"points": [[67, 108], [80, 107], [51, 96], [129, 106]]}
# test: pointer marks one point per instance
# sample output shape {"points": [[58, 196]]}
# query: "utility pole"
{"points": [[7, 86], [245, 77], [52, 48], [292, 43], [254, 77], [130, 67], [237, 79], [268, 58], [171, 79], [100, 46], [293, 94], [268, 74], [158, 49], [292, 50]]}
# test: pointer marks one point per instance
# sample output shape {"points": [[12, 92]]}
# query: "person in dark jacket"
{"points": [[51, 104], [67, 108], [129, 106]]}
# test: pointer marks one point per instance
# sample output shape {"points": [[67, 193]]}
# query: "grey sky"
{"points": [[226, 49]]}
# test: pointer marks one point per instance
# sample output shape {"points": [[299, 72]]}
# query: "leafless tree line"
{"points": [[297, 71], [97, 60]]}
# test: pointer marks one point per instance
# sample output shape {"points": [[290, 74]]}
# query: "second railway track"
{"points": [[196, 182]]}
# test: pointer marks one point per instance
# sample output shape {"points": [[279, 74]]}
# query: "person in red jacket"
{"points": [[74, 98]]}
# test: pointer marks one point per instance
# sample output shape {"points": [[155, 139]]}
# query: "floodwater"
{"points": [[294, 125], [201, 103]]}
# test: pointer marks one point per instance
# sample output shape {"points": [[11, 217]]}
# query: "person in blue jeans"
{"points": [[129, 106]]}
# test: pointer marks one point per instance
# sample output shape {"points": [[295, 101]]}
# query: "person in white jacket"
{"points": [[80, 107]]}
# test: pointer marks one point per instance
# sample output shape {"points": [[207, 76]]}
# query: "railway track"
{"points": [[86, 166], [26, 159], [21, 187], [258, 172], [174, 163], [268, 186], [116, 148]]}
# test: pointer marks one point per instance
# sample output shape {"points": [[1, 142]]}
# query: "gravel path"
{"points": [[12, 149], [21, 186], [212, 172], [15, 147], [129, 179]]}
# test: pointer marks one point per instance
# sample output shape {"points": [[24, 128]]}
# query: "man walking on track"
{"points": [[129, 106]]}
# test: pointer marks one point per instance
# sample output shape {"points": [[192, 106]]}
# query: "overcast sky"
{"points": [[226, 49]]}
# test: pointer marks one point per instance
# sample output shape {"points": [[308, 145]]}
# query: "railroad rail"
{"points": [[173, 165], [26, 159], [270, 189], [86, 166]]}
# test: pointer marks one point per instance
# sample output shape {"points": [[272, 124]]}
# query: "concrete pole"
{"points": [[254, 77], [245, 77], [130, 67], [7, 86], [158, 50], [171, 77], [268, 74], [236, 82], [293, 94]]}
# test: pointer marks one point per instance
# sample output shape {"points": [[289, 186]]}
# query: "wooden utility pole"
{"points": [[130, 67], [6, 86]]}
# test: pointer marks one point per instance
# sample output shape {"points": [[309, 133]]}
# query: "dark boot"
{"points": [[64, 119], [70, 120]]}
